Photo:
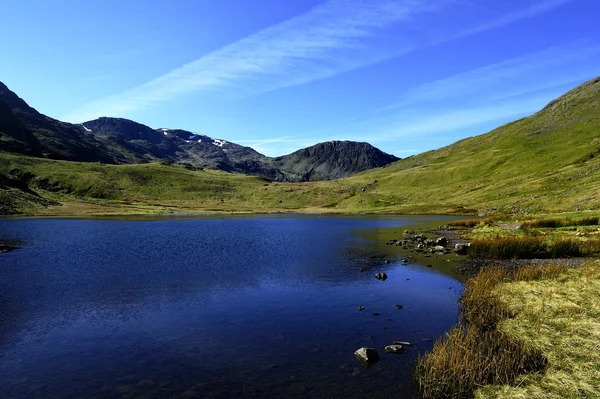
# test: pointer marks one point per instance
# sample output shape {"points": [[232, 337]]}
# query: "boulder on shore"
{"points": [[461, 249]]}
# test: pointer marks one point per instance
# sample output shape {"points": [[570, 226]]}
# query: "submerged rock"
{"points": [[403, 343], [398, 307], [367, 356], [361, 308], [394, 349]]}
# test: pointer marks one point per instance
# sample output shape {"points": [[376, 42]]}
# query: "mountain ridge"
{"points": [[25, 131]]}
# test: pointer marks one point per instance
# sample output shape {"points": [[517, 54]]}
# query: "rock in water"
{"points": [[367, 356], [394, 349], [381, 276]]}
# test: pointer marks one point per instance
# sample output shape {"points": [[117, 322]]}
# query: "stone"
{"points": [[381, 276], [461, 249], [398, 307], [361, 308], [443, 241], [403, 343], [394, 349], [367, 356]]}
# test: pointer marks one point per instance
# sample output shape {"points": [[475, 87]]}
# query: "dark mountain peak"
{"points": [[333, 159], [15, 102]]}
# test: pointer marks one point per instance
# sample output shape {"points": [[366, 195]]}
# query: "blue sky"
{"points": [[405, 75]]}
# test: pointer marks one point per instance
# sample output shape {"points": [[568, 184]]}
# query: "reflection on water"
{"points": [[220, 307]]}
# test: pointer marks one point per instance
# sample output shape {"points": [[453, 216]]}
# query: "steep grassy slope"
{"points": [[547, 162]]}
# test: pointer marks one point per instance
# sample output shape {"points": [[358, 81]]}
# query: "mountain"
{"points": [[333, 159], [546, 162], [23, 130]]}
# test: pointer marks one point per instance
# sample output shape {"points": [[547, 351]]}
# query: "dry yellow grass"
{"points": [[560, 317]]}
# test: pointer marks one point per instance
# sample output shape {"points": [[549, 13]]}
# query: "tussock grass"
{"points": [[532, 247], [468, 358], [560, 222], [475, 222], [464, 223], [475, 353], [544, 223], [565, 248], [587, 221], [508, 247]]}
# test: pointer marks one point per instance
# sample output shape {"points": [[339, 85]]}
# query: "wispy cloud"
{"points": [[478, 100], [517, 76], [335, 37]]}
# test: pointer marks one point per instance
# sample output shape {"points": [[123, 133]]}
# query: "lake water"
{"points": [[258, 306]]}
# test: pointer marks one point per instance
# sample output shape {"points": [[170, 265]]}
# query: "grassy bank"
{"points": [[528, 333]]}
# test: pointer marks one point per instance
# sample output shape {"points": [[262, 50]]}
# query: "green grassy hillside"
{"points": [[549, 162]]}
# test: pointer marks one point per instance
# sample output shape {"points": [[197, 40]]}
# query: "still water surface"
{"points": [[223, 307]]}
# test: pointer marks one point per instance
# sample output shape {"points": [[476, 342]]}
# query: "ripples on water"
{"points": [[256, 307]]}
